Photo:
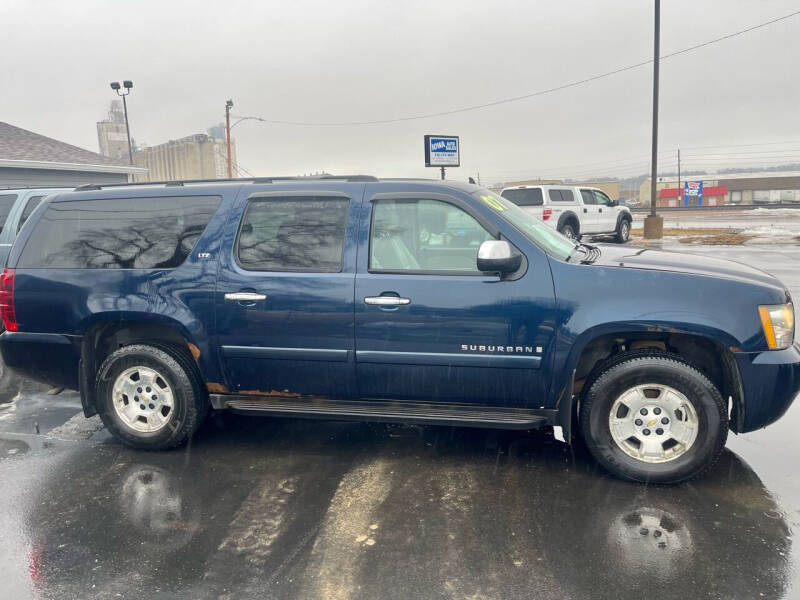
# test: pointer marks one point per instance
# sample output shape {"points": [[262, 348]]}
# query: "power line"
{"points": [[532, 94]]}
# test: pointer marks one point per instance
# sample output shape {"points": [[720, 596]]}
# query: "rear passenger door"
{"points": [[561, 201], [284, 299]]}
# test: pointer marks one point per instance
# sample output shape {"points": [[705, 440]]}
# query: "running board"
{"points": [[392, 411]]}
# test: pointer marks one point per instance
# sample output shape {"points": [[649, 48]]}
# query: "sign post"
{"points": [[693, 189], [442, 151]]}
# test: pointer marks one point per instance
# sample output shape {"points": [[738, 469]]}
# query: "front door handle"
{"points": [[387, 300], [245, 297]]}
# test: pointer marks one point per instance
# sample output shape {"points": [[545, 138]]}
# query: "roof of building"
{"points": [[25, 149]]}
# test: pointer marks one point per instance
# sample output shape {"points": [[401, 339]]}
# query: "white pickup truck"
{"points": [[573, 211]]}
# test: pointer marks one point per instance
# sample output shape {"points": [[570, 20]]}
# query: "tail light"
{"points": [[7, 312], [547, 213]]}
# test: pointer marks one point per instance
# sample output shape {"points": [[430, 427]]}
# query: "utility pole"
{"points": [[654, 225], [680, 193], [442, 173], [228, 107]]}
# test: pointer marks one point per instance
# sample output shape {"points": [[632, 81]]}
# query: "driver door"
{"points": [[606, 213], [429, 325]]}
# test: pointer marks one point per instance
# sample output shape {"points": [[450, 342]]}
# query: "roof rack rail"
{"points": [[3, 188], [346, 178]]}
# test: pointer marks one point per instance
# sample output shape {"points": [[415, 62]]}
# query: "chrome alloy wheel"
{"points": [[143, 399], [653, 423]]}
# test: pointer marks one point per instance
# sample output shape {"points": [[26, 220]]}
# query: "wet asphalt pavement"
{"points": [[270, 508]]}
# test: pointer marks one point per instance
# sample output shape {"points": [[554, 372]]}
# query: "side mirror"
{"points": [[613, 203], [498, 256]]}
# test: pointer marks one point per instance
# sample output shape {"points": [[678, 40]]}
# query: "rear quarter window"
{"points": [[524, 197], [6, 204], [119, 233]]}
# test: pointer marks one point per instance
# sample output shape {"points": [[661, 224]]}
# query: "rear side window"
{"points": [[6, 203], [524, 197], [561, 196], [294, 234], [588, 197], [120, 233], [33, 202]]}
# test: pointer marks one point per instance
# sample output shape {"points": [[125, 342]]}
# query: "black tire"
{"points": [[658, 368], [190, 401], [568, 230], [623, 231]]}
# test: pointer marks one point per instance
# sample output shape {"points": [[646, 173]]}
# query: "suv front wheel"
{"points": [[623, 231], [150, 397], [650, 417]]}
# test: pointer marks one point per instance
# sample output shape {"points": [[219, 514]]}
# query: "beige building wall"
{"points": [[611, 188], [534, 182], [193, 157]]}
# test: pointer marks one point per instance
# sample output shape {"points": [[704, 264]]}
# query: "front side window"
{"points": [[6, 203], [601, 198], [525, 196], [295, 234], [33, 202], [119, 233], [424, 236]]}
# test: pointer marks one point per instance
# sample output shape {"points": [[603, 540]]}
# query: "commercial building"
{"points": [[28, 159], [112, 136], [780, 187], [199, 156]]}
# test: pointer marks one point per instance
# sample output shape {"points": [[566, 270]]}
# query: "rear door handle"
{"points": [[244, 297], [386, 300], [586, 210]]}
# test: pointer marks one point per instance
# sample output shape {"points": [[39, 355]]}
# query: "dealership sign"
{"points": [[693, 189], [442, 151]]}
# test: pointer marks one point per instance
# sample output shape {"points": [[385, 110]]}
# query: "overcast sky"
{"points": [[356, 61]]}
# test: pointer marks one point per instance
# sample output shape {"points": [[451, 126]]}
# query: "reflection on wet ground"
{"points": [[304, 509]]}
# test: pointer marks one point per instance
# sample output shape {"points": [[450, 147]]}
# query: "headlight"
{"points": [[778, 323]]}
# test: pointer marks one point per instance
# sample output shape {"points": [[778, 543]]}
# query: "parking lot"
{"points": [[269, 508]]}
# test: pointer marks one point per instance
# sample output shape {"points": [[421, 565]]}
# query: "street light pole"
{"points": [[128, 85], [228, 107], [654, 225]]}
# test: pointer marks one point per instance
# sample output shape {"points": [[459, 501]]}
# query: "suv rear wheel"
{"points": [[568, 230], [650, 417], [150, 397]]}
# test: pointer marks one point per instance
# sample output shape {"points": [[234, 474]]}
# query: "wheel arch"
{"points": [[102, 337], [710, 354], [569, 217], [624, 215]]}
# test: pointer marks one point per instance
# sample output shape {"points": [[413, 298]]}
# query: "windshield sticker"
{"points": [[493, 203]]}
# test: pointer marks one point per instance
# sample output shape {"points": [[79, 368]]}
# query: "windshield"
{"points": [[547, 239]]}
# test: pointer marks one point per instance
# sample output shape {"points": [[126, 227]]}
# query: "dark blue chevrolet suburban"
{"points": [[390, 300]]}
